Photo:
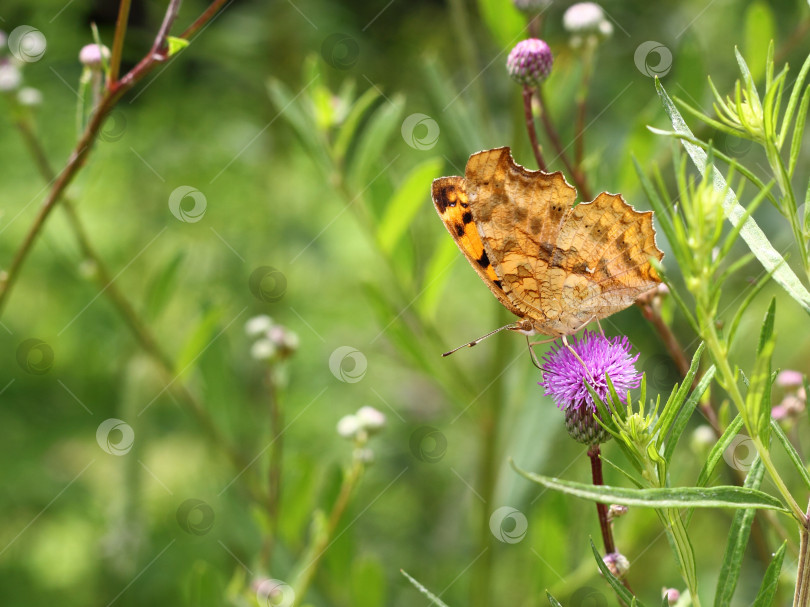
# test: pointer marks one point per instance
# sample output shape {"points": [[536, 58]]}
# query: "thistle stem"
{"points": [[577, 176], [801, 596], [274, 474], [601, 509], [529, 115]]}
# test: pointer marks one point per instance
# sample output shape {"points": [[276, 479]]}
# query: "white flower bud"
{"points": [[258, 325]]}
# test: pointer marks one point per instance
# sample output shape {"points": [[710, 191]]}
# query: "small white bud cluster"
{"points": [[273, 340], [587, 24]]}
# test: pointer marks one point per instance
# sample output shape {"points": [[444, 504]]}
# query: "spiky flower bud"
{"points": [[529, 63], [582, 426]]}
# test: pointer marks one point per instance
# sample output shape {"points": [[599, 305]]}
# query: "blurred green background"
{"points": [[81, 526]]}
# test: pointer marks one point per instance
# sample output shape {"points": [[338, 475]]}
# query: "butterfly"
{"points": [[555, 266]]}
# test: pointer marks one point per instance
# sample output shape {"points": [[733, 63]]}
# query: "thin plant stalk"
{"points": [[158, 54], [528, 114], [276, 415]]}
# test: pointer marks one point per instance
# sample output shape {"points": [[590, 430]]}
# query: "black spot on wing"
{"points": [[459, 230], [466, 217], [483, 261]]}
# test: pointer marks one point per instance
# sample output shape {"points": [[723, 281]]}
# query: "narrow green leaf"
{"points": [[798, 85], [767, 591], [348, 130], [795, 459], [406, 201], [506, 23], [302, 122], [767, 326], [436, 275], [198, 342], [716, 454], [798, 132], [737, 541], [768, 256], [623, 593], [686, 412], [554, 602], [723, 496], [430, 596], [677, 398], [161, 286], [752, 293], [372, 142]]}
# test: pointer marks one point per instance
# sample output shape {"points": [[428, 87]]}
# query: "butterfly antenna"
{"points": [[482, 338]]}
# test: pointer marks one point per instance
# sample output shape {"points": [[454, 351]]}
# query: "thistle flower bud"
{"points": [[529, 63], [583, 427], [94, 56], [586, 23]]}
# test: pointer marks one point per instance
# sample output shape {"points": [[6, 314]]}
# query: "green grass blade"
{"points": [[677, 398], [767, 590], [554, 602], [798, 85], [431, 597], [737, 542], [759, 244]]}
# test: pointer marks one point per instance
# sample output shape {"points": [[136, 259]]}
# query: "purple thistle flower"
{"points": [[565, 378]]}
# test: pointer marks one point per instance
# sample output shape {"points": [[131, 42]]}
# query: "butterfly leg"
{"points": [[584, 366], [531, 345]]}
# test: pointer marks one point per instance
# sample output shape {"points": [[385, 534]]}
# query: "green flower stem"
{"points": [[324, 537], [529, 116], [729, 383], [118, 39], [686, 557], [582, 99], [801, 596], [276, 415]]}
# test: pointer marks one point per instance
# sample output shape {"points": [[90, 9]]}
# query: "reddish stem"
{"points": [[602, 509], [529, 115]]}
